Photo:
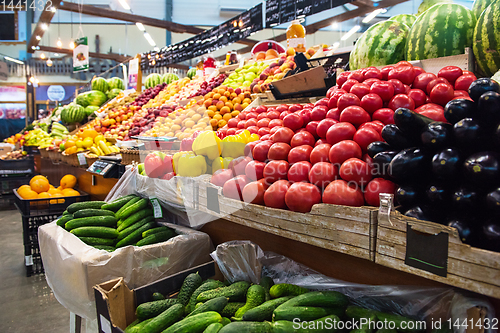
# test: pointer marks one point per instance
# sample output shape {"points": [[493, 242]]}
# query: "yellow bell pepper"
{"points": [[221, 163], [208, 144], [191, 166], [234, 146]]}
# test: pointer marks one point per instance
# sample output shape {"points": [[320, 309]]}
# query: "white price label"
{"points": [[105, 325], [81, 159], [158, 213], [28, 260]]}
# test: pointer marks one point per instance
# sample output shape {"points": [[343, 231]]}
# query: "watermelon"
{"points": [[113, 93], [81, 99], [152, 80], [479, 6], [486, 43], [382, 44], [116, 83], [89, 110], [407, 19], [426, 4], [100, 84], [169, 78], [73, 113], [191, 73], [443, 30]]}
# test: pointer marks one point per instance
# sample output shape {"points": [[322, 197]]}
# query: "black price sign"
{"points": [[321, 5], [287, 11], [272, 13], [303, 8]]}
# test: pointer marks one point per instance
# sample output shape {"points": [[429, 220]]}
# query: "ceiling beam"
{"points": [[109, 56], [45, 18]]}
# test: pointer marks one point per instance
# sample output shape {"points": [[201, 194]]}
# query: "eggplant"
{"points": [[493, 200], [488, 108], [480, 86], [381, 162], [447, 164], [482, 169], [395, 137], [438, 194], [410, 122], [464, 227], [407, 195], [459, 109], [465, 199], [490, 235], [468, 133], [437, 135], [411, 163], [418, 212], [377, 147]]}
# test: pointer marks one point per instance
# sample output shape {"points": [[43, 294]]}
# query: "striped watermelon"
{"points": [[191, 73], [486, 44], [113, 93], [99, 83], [89, 110], [152, 80], [116, 83], [443, 30], [407, 19], [73, 113], [382, 44], [169, 78], [479, 6], [426, 4], [96, 98]]}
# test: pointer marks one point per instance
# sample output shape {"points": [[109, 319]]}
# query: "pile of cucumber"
{"points": [[125, 221], [212, 306]]}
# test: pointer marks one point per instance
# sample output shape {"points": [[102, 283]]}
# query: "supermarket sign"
{"points": [[12, 94], [81, 55]]}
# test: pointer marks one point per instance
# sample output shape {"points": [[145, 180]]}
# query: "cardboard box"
{"points": [[5, 148]]}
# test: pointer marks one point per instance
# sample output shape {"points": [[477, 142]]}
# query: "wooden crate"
{"points": [[349, 230], [468, 267]]}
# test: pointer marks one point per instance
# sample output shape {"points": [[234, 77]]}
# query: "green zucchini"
{"points": [[190, 284], [325, 299], [135, 217], [115, 205], [152, 309], [321, 325], [154, 231], [97, 241], [265, 310], [286, 289], [129, 327], [156, 238], [195, 324], [89, 212], [134, 208], [101, 232], [164, 319], [235, 292], [231, 308], [213, 328], [267, 283], [256, 295], [92, 221], [128, 204], [303, 313], [215, 304], [124, 233], [247, 327], [85, 205], [65, 218], [135, 235], [205, 286]]}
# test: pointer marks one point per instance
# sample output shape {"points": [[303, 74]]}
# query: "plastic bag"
{"points": [[72, 268]]}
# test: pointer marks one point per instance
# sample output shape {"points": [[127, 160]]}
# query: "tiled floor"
{"points": [[27, 304]]}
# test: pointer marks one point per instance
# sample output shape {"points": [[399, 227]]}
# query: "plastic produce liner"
{"points": [[244, 260]]}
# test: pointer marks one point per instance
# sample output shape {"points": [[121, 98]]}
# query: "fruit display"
{"points": [[225, 103], [87, 139], [169, 78], [208, 86], [13, 139], [40, 188], [152, 80], [191, 73], [407, 19], [36, 137], [125, 221], [486, 40], [116, 83], [73, 113], [14, 155]]}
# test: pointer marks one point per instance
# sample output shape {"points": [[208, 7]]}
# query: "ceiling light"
{"points": [[59, 43], [49, 62], [33, 47], [140, 26], [38, 38], [44, 26], [157, 49], [72, 45], [53, 9], [335, 25], [351, 32], [149, 39], [42, 56], [372, 15], [14, 60], [32, 79], [56, 54], [124, 4]]}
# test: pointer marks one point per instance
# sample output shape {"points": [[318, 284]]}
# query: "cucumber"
{"points": [[256, 295], [190, 284], [207, 285], [93, 221], [101, 232], [265, 310], [322, 325], [129, 327], [128, 204], [118, 203], [84, 205], [66, 212], [286, 289], [303, 313], [164, 319], [325, 299], [96, 241], [124, 233], [235, 292], [105, 248], [267, 283], [152, 309], [156, 238], [398, 320], [135, 218], [247, 327], [92, 212], [231, 308], [213, 328], [158, 297], [356, 312], [225, 321], [195, 324], [134, 208], [386, 330], [135, 235], [65, 218], [154, 231], [138, 327], [216, 304]]}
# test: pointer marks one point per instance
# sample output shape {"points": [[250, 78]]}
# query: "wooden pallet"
{"points": [[468, 267]]}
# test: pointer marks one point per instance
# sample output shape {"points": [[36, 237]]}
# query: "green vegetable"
{"points": [[207, 285], [158, 297], [66, 212], [190, 284], [101, 232], [138, 327], [92, 221], [225, 321], [326, 299], [65, 218], [164, 319], [124, 233], [92, 212], [235, 292], [256, 295], [105, 248], [321, 325], [356, 312], [247, 327], [267, 283], [286, 289], [213, 328], [156, 238], [134, 208], [128, 204], [486, 41], [217, 304], [135, 235], [231, 308], [154, 231], [135, 218], [85, 205], [265, 310], [96, 241], [195, 324], [303, 313], [129, 327], [152, 309]]}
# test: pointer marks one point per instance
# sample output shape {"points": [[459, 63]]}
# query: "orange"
{"points": [[44, 195], [227, 116], [23, 188], [57, 195], [69, 144], [68, 181], [53, 191], [69, 192], [29, 195], [90, 133], [37, 177], [40, 185], [60, 188]]}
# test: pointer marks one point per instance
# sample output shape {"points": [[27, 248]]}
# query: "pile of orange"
{"points": [[40, 188], [224, 103]]}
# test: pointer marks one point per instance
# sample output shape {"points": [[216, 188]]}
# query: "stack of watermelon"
{"points": [[152, 80], [191, 73], [169, 78], [486, 38], [73, 113]]}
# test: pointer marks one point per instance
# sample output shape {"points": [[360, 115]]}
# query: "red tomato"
{"points": [[323, 127], [468, 73], [312, 127], [275, 122], [328, 93], [458, 93], [356, 75], [355, 115], [265, 137], [403, 63], [450, 73], [299, 172], [322, 174], [399, 87], [284, 114], [348, 84], [320, 153], [332, 102], [384, 89], [375, 187], [339, 132], [347, 100], [401, 101], [364, 70], [301, 197], [464, 81], [377, 125], [428, 106], [385, 72], [254, 170], [339, 192], [372, 73], [405, 74], [274, 196], [434, 82], [279, 151], [342, 78], [369, 82], [233, 187], [366, 135], [384, 115], [300, 153], [302, 138], [442, 93], [254, 192], [360, 89], [356, 171], [418, 97], [344, 150], [293, 121], [371, 103], [275, 170], [260, 151], [422, 80], [418, 70], [434, 113], [333, 114]]}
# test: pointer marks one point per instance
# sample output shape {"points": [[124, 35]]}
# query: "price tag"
{"points": [[81, 159], [28, 260], [158, 213], [213, 200], [105, 325]]}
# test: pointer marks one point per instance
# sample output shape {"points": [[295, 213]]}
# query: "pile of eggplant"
{"points": [[448, 173]]}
